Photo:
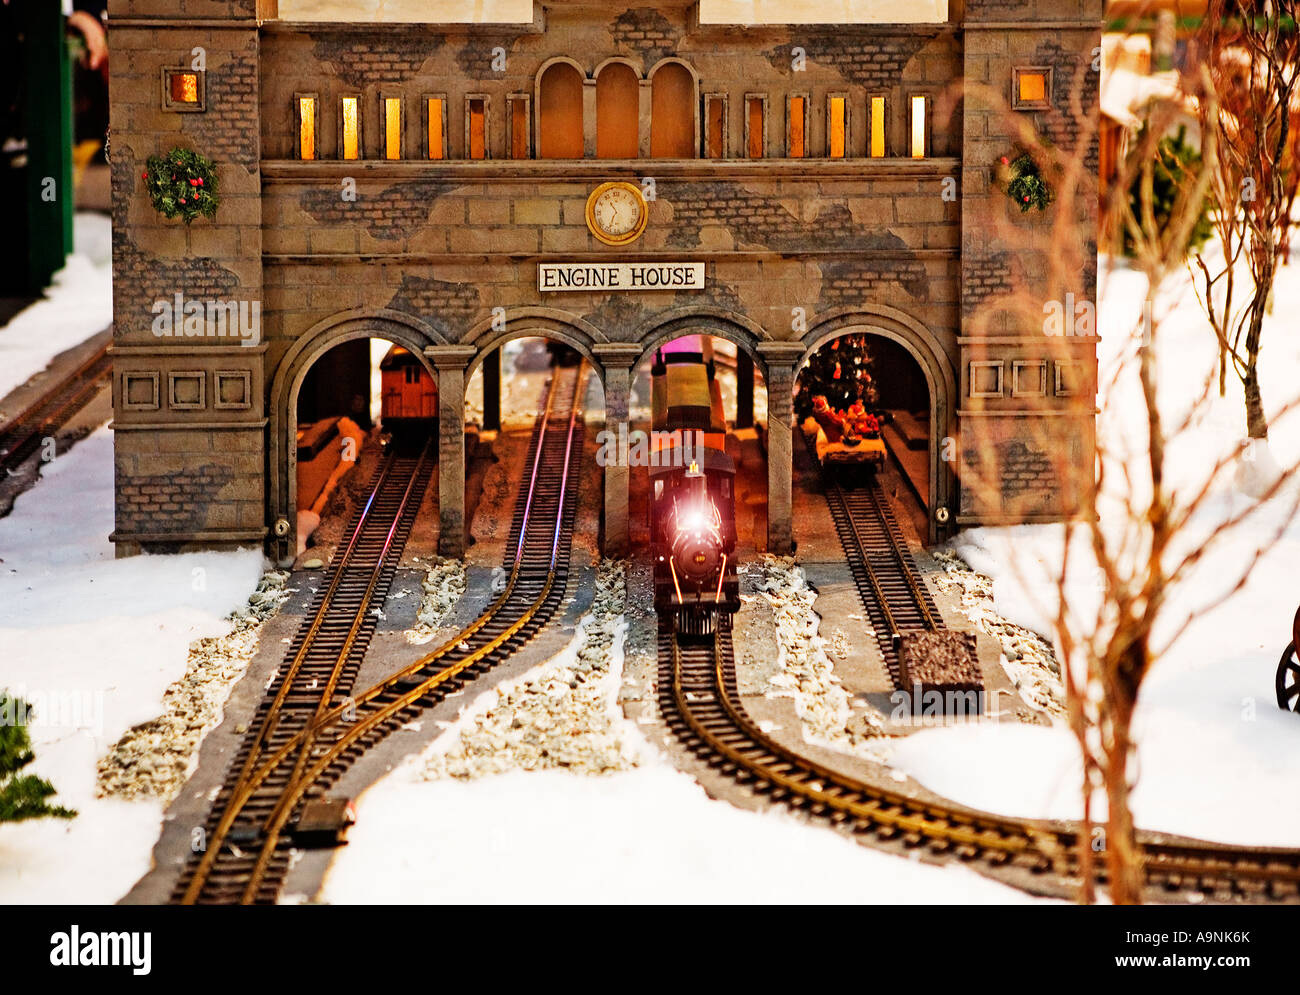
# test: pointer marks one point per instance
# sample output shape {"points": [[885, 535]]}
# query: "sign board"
{"points": [[583, 277]]}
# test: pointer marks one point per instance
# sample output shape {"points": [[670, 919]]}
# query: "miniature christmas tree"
{"points": [[21, 797], [841, 372]]}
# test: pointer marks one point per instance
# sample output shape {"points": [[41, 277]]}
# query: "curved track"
{"points": [[699, 699], [22, 435], [249, 841]]}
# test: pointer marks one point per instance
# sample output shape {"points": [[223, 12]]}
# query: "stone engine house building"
{"points": [[405, 181]]}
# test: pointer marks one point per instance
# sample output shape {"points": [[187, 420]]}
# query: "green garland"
{"points": [[182, 184], [1024, 183]]}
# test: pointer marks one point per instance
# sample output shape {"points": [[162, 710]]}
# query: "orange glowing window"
{"points": [[1033, 86], [715, 126], [351, 143], [392, 128], [436, 131], [837, 127], [476, 128], [520, 146], [755, 127], [306, 127], [877, 127], [798, 127], [185, 88], [918, 128]]}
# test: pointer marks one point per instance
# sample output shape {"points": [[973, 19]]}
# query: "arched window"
{"points": [[618, 101], [559, 109], [672, 112]]}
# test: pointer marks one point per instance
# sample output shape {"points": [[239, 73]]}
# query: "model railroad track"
{"points": [[699, 699], [23, 434], [892, 592], [323, 659], [249, 845]]}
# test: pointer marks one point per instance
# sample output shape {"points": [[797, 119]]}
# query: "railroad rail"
{"points": [[894, 596], [699, 699], [250, 840], [22, 434]]}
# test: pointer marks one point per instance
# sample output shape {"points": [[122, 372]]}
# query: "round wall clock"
{"points": [[616, 212]]}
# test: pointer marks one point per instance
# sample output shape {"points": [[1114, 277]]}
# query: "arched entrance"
{"points": [[930, 358], [282, 448]]}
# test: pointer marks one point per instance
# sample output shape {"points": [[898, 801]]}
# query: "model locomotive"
{"points": [[410, 396], [692, 491]]}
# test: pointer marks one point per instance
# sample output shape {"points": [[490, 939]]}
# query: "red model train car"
{"points": [[409, 394]]}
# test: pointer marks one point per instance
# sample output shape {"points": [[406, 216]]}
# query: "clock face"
{"points": [[616, 213]]}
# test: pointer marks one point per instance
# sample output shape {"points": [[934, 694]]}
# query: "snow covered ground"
{"points": [[76, 306], [648, 834], [93, 642], [1217, 758]]}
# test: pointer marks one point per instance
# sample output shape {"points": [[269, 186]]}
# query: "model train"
{"points": [[848, 438], [409, 402], [692, 492]]}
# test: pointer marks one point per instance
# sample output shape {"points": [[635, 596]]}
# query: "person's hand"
{"points": [[92, 30]]}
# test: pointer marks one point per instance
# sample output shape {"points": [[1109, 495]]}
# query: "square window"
{"points": [[1031, 88], [986, 378], [183, 89], [232, 390], [1028, 378], [185, 390], [140, 391], [1070, 378]]}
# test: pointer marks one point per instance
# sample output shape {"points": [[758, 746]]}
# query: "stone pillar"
{"points": [[618, 360], [589, 118], [451, 361], [744, 389], [782, 359], [492, 391]]}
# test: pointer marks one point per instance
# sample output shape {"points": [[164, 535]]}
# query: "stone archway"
{"points": [[666, 326], [282, 452], [535, 322], [940, 378]]}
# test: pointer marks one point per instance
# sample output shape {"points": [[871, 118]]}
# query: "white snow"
{"points": [[648, 834], [93, 643], [1216, 758], [78, 304]]}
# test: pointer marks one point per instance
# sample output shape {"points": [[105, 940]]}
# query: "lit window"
{"points": [[877, 127], [618, 96], [715, 126], [392, 128], [559, 113], [182, 90], [837, 126], [476, 127], [1031, 88], [306, 127], [673, 101], [797, 119], [918, 128], [436, 127], [755, 126], [517, 107], [351, 125]]}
